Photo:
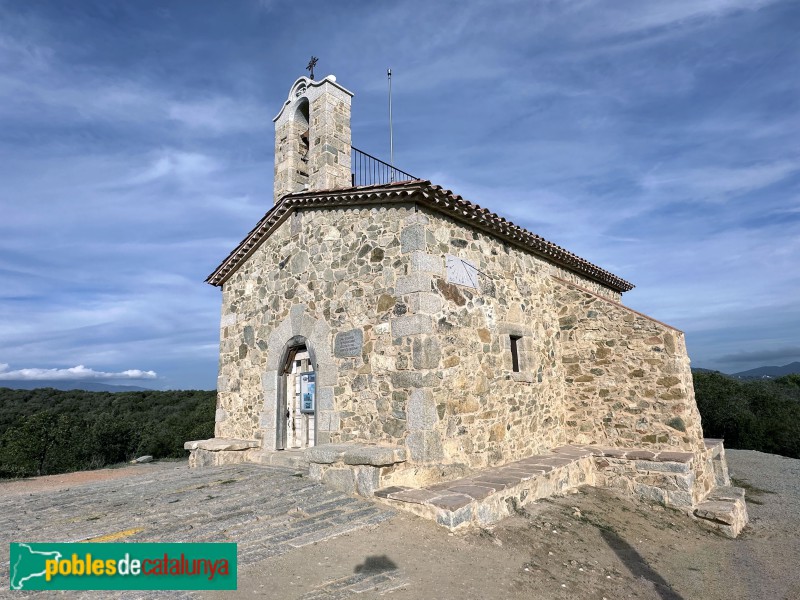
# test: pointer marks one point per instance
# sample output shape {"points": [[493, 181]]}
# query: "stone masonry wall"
{"points": [[329, 155], [627, 379], [627, 375], [591, 370], [478, 411], [433, 370], [329, 273], [291, 171]]}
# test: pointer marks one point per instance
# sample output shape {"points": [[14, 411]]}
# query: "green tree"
{"points": [[30, 447], [754, 415], [46, 431]]}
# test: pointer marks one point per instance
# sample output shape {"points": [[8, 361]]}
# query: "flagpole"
{"points": [[391, 138]]}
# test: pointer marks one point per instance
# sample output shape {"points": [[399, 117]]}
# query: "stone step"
{"points": [[221, 444], [293, 459], [485, 497], [488, 496], [724, 510]]}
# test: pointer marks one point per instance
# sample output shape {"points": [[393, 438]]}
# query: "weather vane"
{"points": [[311, 64]]}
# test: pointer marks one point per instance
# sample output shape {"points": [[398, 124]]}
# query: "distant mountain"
{"points": [[88, 386], [769, 372], [702, 370]]}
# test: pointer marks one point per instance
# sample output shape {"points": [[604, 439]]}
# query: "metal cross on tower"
{"points": [[311, 64]]}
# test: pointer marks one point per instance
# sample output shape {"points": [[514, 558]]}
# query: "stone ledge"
{"points": [[354, 468], [221, 444], [714, 445], [387, 491], [293, 459], [570, 450], [640, 454], [377, 456], [356, 454], [726, 494], [662, 467], [326, 454]]}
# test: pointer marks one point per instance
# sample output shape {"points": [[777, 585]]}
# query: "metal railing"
{"points": [[368, 170]]}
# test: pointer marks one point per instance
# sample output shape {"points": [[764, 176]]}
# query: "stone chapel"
{"points": [[401, 342]]}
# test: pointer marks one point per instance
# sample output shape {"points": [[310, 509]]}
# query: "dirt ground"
{"points": [[592, 544], [53, 483]]}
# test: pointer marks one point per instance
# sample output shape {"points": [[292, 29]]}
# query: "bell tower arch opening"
{"points": [[301, 120], [312, 138]]}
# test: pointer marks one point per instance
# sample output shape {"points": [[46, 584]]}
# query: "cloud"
{"points": [[640, 17], [175, 163], [41, 80], [716, 183], [73, 373], [761, 356]]}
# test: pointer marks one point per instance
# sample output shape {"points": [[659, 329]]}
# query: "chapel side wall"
{"points": [[486, 414], [627, 377], [326, 272], [628, 381]]}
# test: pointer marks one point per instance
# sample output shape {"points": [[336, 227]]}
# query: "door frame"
{"points": [[290, 349]]}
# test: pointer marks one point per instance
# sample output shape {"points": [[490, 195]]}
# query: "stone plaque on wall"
{"points": [[348, 343]]}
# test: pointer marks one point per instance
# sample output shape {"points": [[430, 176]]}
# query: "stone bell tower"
{"points": [[312, 137]]}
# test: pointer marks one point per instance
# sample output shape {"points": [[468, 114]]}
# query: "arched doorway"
{"points": [[296, 426], [298, 329]]}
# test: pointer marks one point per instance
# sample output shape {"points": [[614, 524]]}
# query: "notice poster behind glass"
{"points": [[307, 389]]}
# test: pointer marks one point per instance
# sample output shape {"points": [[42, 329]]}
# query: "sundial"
{"points": [[462, 272]]}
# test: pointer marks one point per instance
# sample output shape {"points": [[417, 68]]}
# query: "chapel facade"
{"points": [[394, 334]]}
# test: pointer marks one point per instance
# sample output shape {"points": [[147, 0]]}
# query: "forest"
{"points": [[47, 431], [751, 414]]}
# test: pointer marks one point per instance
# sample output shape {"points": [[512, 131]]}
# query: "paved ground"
{"points": [[268, 511], [300, 540]]}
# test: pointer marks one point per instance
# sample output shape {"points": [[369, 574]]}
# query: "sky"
{"points": [[659, 140]]}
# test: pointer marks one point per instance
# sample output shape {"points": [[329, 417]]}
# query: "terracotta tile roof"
{"points": [[425, 193]]}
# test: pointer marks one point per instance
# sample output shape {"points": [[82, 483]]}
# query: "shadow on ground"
{"points": [[376, 564], [637, 565]]}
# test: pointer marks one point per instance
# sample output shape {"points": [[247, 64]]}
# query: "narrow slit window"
{"points": [[515, 353]]}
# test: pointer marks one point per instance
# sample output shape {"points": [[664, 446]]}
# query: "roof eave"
{"points": [[429, 195]]}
